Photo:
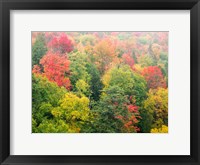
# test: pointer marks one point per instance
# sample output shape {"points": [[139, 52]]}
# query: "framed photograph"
{"points": [[99, 82]]}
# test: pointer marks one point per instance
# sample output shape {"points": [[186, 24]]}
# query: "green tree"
{"points": [[78, 69], [163, 64], [131, 83], [95, 82], [38, 49], [55, 110], [122, 77], [115, 113], [45, 95], [53, 126], [145, 124], [112, 104], [139, 89]]}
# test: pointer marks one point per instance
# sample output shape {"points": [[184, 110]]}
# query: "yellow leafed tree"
{"points": [[74, 110], [163, 129]]}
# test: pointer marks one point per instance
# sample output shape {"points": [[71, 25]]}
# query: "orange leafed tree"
{"points": [[104, 53]]}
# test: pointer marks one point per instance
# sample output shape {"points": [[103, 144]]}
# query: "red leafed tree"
{"points": [[128, 60], [55, 68], [130, 125], [130, 121], [154, 77], [61, 44]]}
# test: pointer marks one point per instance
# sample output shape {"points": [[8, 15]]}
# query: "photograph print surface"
{"points": [[99, 82]]}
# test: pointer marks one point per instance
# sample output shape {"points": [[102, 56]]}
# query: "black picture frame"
{"points": [[7, 5]]}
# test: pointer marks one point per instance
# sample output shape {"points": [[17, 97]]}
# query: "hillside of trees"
{"points": [[100, 82]]}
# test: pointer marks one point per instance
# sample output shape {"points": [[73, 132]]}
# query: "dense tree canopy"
{"points": [[100, 82], [38, 49]]}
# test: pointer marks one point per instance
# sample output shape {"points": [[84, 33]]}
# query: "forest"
{"points": [[99, 82]]}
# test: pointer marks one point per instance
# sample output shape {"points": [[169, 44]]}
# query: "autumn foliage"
{"points": [[55, 68], [61, 44], [128, 60], [154, 77], [100, 82], [104, 53]]}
